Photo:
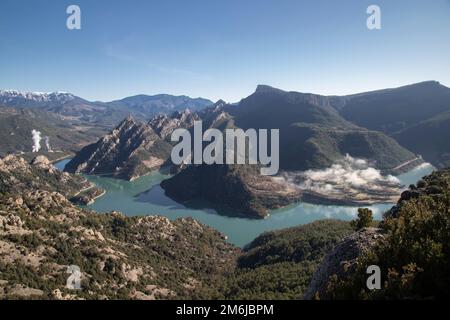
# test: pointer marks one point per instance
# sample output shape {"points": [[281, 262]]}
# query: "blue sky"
{"points": [[221, 49]]}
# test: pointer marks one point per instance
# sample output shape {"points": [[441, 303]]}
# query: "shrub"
{"points": [[365, 219]]}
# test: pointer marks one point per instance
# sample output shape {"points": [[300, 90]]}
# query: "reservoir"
{"points": [[144, 196]]}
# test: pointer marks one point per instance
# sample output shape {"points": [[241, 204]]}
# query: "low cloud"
{"points": [[348, 173]]}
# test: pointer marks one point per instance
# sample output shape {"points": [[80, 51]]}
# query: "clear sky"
{"points": [[221, 49]]}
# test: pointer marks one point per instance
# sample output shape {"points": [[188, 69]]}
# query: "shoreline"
{"points": [[307, 197], [61, 159], [92, 201]]}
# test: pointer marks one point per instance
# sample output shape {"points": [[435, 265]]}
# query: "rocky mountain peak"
{"points": [[164, 125], [128, 121], [219, 104], [262, 88]]}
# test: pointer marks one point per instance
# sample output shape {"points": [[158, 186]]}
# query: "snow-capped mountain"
{"points": [[35, 99], [64, 104], [76, 109]]}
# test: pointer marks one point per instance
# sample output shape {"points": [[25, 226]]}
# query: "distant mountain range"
{"points": [[387, 126], [160, 104], [14, 98], [79, 110]]}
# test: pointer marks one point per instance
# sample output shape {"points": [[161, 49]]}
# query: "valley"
{"points": [[312, 136], [254, 229], [144, 195]]}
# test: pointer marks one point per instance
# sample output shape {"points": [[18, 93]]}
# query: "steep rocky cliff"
{"points": [[131, 150]]}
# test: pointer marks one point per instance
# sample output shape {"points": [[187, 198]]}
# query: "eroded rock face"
{"points": [[164, 125], [129, 151], [341, 261]]}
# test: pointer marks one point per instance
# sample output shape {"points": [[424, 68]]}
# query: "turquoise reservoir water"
{"points": [[144, 196]]}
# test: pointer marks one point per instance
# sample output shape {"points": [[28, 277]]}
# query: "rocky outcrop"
{"points": [[19, 176], [131, 150], [212, 117], [341, 261], [238, 187], [434, 185], [164, 124], [41, 161]]}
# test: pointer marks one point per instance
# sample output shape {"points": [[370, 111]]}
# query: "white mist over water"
{"points": [[36, 137], [349, 172]]}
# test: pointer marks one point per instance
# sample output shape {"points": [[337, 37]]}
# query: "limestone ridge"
{"points": [[134, 148], [237, 187], [129, 151]]}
